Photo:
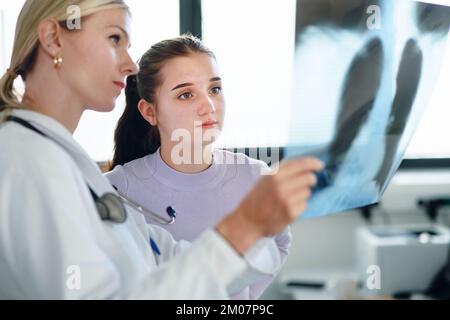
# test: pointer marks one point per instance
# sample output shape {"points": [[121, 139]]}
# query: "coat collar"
{"points": [[60, 135]]}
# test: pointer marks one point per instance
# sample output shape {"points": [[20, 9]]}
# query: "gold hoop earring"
{"points": [[57, 61]]}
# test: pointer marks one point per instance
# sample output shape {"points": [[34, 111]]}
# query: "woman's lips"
{"points": [[119, 84]]}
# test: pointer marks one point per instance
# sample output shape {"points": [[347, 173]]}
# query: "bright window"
{"points": [[254, 44]]}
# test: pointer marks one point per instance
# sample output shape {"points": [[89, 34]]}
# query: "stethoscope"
{"points": [[110, 206]]}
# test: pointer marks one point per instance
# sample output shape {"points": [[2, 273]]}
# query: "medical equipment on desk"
{"points": [[404, 258], [110, 206]]}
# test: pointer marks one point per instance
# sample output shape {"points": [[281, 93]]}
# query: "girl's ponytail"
{"points": [[134, 137]]}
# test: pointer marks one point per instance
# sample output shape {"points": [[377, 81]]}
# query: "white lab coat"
{"points": [[53, 245]]}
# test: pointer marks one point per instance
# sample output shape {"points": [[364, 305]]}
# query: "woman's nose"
{"points": [[130, 67]]}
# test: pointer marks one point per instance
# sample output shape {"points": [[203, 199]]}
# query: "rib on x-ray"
{"points": [[364, 73]]}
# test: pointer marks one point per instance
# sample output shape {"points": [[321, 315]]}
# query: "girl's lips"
{"points": [[119, 84], [209, 124]]}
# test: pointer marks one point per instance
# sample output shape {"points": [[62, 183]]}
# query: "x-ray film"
{"points": [[364, 73]]}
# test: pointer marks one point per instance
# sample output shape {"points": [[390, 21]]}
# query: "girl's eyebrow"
{"points": [[187, 84]]}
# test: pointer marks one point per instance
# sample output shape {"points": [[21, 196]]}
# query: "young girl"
{"points": [[61, 234], [175, 111]]}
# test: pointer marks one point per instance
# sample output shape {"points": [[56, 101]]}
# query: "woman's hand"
{"points": [[275, 202]]}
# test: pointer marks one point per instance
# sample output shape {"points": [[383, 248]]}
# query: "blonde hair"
{"points": [[26, 42]]}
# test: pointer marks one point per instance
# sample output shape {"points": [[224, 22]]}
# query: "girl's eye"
{"points": [[216, 90], [185, 96], [115, 38]]}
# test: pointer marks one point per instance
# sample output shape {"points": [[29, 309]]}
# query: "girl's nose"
{"points": [[207, 106]]}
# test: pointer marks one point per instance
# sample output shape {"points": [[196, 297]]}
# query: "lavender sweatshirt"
{"points": [[201, 200]]}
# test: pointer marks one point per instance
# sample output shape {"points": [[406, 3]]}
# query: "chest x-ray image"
{"points": [[364, 73]]}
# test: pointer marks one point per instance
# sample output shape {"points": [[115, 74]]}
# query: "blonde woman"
{"points": [[64, 232]]}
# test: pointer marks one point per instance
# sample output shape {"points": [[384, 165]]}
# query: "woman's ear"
{"points": [[148, 111], [49, 34]]}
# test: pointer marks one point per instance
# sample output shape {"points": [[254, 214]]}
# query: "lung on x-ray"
{"points": [[364, 73]]}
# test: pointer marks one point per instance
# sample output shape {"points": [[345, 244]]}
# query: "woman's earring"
{"points": [[57, 61]]}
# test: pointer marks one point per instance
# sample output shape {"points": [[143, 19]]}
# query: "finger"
{"points": [[301, 208], [302, 194], [296, 201], [297, 166], [298, 207], [303, 180]]}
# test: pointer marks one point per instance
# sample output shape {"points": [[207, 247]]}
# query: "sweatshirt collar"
{"points": [[179, 180]]}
